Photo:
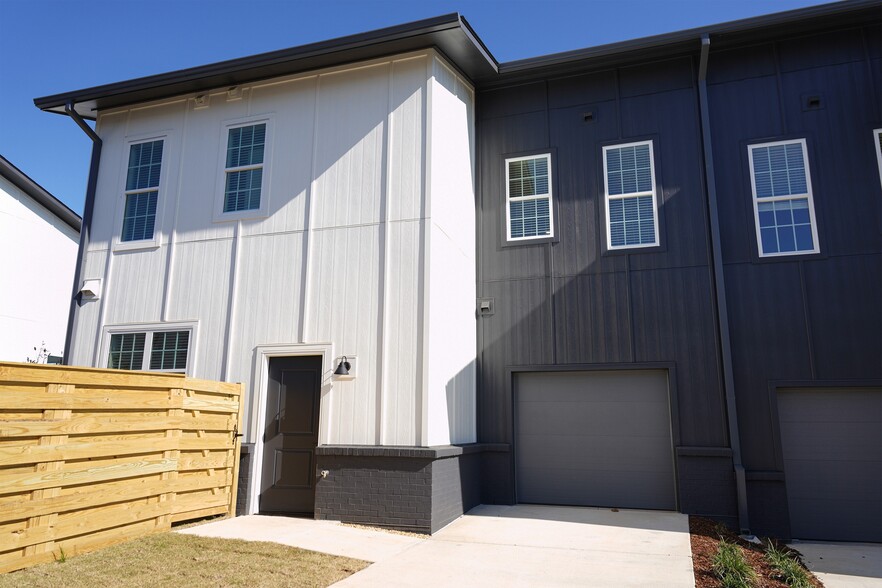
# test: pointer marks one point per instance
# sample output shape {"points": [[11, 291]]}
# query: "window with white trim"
{"points": [[168, 350], [528, 197], [782, 198], [244, 167], [877, 139], [142, 191], [631, 201]]}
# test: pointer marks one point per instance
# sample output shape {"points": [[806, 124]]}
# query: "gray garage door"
{"points": [[594, 439], [832, 445]]}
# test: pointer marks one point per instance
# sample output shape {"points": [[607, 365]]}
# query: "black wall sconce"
{"points": [[342, 367]]}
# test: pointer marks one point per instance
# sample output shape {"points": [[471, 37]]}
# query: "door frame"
{"points": [[257, 406]]}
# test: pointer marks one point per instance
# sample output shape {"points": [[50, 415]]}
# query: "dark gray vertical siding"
{"points": [[568, 302], [810, 318]]}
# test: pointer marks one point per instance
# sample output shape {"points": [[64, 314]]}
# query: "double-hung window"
{"points": [[165, 351], [528, 197], [142, 191], [243, 172], [631, 200], [782, 198]]}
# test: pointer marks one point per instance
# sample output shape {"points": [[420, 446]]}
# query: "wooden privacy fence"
{"points": [[91, 457]]}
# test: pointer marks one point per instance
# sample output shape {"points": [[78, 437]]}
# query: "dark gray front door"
{"points": [[595, 439], [290, 435], [831, 439]]}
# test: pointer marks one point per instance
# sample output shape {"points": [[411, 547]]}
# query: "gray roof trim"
{"points": [[450, 33], [39, 194], [736, 30]]}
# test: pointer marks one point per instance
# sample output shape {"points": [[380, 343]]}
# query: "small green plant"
{"points": [[61, 557], [789, 570], [731, 567]]}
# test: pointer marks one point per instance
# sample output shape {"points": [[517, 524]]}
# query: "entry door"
{"points": [[290, 435]]}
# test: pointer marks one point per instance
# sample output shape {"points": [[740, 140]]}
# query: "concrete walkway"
{"points": [[843, 565], [519, 545]]}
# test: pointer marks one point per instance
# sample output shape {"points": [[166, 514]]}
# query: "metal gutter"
{"points": [[720, 291], [86, 224], [39, 194]]}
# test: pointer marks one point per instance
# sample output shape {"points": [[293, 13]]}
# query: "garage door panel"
{"points": [[831, 405], [597, 417], [611, 489], [833, 480], [820, 521], [595, 439], [831, 441], [563, 451]]}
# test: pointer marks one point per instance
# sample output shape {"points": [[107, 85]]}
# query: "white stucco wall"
{"points": [[37, 257], [342, 258]]}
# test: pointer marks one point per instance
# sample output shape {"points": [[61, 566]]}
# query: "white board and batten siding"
{"points": [[38, 253], [367, 243]]}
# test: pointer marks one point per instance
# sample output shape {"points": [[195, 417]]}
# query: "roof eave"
{"points": [[450, 33], [42, 196]]}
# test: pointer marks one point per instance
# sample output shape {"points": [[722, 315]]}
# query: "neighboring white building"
{"points": [[38, 251]]}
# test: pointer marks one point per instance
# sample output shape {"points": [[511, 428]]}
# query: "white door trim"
{"points": [[262, 356]]}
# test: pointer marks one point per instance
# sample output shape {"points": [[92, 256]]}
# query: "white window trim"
{"points": [[149, 329], [509, 200], [161, 196], [808, 194], [220, 189], [876, 134], [653, 193]]}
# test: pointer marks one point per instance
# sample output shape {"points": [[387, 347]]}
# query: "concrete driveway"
{"points": [[509, 546], [843, 565]]}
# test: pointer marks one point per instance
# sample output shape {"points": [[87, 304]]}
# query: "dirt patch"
{"points": [[385, 530], [705, 537]]}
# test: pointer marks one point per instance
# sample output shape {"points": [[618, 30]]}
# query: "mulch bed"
{"points": [[705, 537]]}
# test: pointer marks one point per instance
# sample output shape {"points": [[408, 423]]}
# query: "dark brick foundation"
{"points": [[245, 461], [410, 488]]}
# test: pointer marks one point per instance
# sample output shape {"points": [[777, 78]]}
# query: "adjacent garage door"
{"points": [[594, 439], [831, 440]]}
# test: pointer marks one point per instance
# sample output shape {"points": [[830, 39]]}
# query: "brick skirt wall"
{"points": [[409, 488]]}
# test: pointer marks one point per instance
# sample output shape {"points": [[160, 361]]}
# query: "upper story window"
{"points": [[631, 202], [168, 350], [142, 191], [782, 199], [244, 167], [528, 194]]}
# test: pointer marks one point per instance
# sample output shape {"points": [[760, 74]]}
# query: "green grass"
{"points": [[790, 571], [185, 561], [731, 567]]}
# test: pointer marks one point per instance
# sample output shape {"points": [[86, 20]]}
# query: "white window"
{"points": [[528, 194], [245, 146], [163, 348], [782, 199], [142, 191], [877, 139], [631, 201]]}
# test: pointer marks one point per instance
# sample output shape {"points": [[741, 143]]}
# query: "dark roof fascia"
{"points": [[39, 194], [738, 32], [450, 33]]}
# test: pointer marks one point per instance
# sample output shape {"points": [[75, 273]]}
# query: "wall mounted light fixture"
{"points": [[342, 367]]}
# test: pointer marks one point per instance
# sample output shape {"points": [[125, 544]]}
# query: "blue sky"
{"points": [[49, 47]]}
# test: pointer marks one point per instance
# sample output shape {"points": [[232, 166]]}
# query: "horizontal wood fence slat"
{"points": [[91, 457]]}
